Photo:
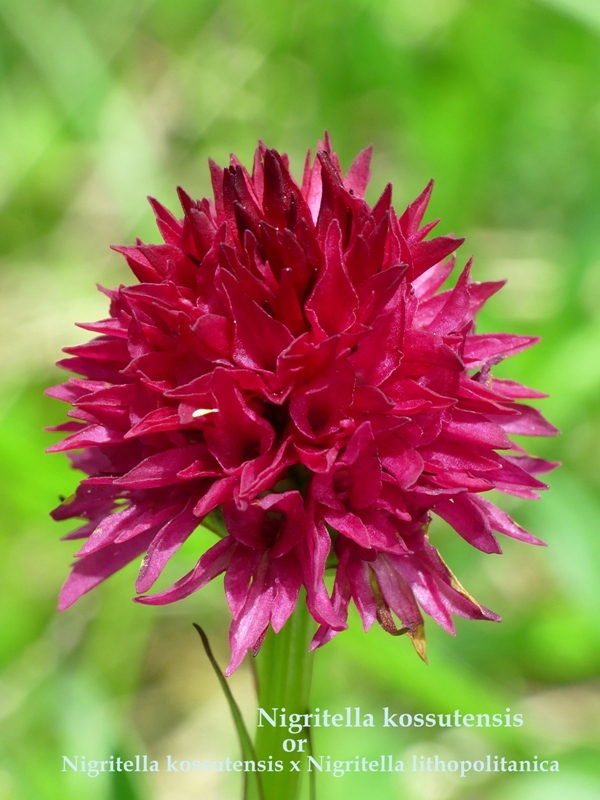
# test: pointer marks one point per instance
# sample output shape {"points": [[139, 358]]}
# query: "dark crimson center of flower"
{"points": [[272, 527], [318, 419], [251, 451], [342, 483], [277, 416]]}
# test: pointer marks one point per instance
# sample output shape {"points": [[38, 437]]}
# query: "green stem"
{"points": [[284, 672]]}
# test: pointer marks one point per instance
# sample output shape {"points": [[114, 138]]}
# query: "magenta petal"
{"points": [[161, 419], [261, 473], [358, 175], [457, 603], [110, 406], [351, 581], [452, 314], [108, 530], [333, 301], [295, 524], [467, 519], [287, 586], [481, 292], [275, 522], [342, 592], [533, 466], [245, 525], [89, 502], [514, 390], [470, 427], [152, 517], [401, 461], [90, 436], [530, 422], [428, 349], [491, 348], [349, 525], [378, 354], [413, 216], [219, 492], [501, 522], [313, 555], [162, 469], [251, 622], [427, 592], [258, 338], [362, 591], [364, 467], [316, 409], [426, 254], [321, 489], [427, 284], [235, 433], [514, 476], [240, 570], [429, 561], [211, 564], [397, 592], [166, 542], [91, 570]]}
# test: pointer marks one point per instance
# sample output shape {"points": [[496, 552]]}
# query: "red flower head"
{"points": [[287, 370]]}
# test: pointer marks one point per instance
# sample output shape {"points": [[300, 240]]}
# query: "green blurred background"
{"points": [[103, 103]]}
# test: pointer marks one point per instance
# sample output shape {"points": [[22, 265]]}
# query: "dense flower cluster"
{"points": [[288, 370]]}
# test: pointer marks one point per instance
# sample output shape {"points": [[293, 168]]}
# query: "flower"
{"points": [[287, 370]]}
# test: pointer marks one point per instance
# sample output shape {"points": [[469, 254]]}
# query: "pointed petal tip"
{"points": [[234, 662], [149, 599], [491, 616], [68, 595], [417, 637]]}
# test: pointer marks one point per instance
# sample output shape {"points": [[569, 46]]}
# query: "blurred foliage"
{"points": [[102, 103]]}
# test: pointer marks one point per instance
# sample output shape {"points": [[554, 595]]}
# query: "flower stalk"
{"points": [[284, 670]]}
